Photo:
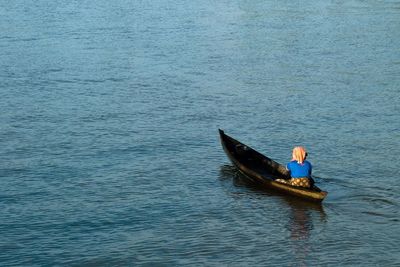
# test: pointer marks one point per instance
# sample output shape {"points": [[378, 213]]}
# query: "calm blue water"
{"points": [[109, 112]]}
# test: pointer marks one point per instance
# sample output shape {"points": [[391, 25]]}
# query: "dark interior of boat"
{"points": [[256, 161]]}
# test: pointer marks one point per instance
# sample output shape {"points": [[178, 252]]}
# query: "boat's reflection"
{"points": [[302, 217]]}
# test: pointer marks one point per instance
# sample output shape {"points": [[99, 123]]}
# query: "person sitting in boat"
{"points": [[300, 169]]}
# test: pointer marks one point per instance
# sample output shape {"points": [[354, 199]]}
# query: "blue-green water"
{"points": [[109, 113]]}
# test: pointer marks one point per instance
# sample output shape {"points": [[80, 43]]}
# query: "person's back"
{"points": [[298, 170]]}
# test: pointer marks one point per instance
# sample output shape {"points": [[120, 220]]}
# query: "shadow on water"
{"points": [[301, 219]]}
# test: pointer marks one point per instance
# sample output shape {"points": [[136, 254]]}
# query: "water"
{"points": [[109, 144]]}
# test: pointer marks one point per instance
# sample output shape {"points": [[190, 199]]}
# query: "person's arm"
{"points": [[289, 171]]}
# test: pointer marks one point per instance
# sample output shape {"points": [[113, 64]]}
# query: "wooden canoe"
{"points": [[264, 171]]}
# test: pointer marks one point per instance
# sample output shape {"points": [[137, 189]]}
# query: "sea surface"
{"points": [[109, 117]]}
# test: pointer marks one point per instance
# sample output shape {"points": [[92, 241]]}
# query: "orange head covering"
{"points": [[299, 154]]}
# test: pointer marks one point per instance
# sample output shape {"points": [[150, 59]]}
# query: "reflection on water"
{"points": [[299, 221], [300, 225]]}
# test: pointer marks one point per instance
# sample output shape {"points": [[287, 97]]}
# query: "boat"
{"points": [[264, 171]]}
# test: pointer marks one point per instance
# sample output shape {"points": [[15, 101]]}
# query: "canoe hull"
{"points": [[263, 170]]}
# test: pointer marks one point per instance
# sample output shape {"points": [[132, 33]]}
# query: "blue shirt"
{"points": [[299, 170]]}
